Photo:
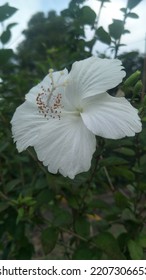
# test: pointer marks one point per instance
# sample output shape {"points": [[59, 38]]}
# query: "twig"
{"points": [[109, 179], [112, 188], [37, 161], [4, 196]]}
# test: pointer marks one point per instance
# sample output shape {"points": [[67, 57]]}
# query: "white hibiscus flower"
{"points": [[63, 113]]}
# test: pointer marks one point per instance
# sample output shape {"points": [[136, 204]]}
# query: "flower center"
{"points": [[49, 101]]}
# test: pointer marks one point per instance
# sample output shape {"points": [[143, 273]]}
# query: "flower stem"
{"points": [[119, 40]]}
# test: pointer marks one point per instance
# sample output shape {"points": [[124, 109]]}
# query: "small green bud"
{"points": [[137, 88], [131, 81], [51, 70]]}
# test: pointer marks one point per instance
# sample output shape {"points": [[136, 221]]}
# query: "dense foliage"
{"points": [[47, 216]]}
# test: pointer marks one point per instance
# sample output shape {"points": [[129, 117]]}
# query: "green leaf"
{"points": [[123, 239], [142, 186], [3, 206], [6, 12], [87, 16], [49, 238], [122, 45], [3, 145], [108, 244], [126, 31], [125, 151], [84, 252], [24, 250], [44, 197], [132, 15], [97, 204], [135, 250], [21, 213], [133, 3], [121, 200], [116, 29], [123, 10], [104, 1], [6, 36], [142, 240], [11, 185], [103, 36], [6, 251], [128, 215], [124, 173], [73, 202], [9, 26], [62, 217], [90, 43], [5, 55], [113, 161], [137, 170], [82, 226]]}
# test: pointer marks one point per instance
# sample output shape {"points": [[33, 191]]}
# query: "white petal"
{"points": [[73, 95], [26, 124], [111, 117], [92, 76], [66, 146], [59, 78]]}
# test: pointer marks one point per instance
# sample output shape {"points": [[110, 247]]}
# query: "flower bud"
{"points": [[131, 81], [137, 88]]}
